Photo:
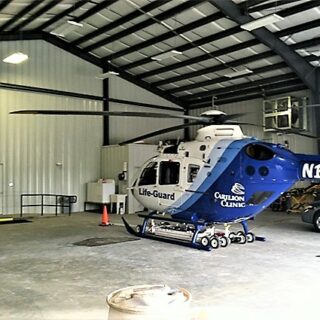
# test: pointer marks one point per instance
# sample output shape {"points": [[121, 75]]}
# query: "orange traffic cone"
{"points": [[105, 218]]}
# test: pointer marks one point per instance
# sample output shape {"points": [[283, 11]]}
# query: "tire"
{"points": [[224, 241], [250, 237], [242, 237], [214, 243], [205, 241], [316, 221], [138, 228]]}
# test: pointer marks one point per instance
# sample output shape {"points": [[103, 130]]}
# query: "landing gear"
{"points": [[200, 235], [205, 241], [214, 243]]}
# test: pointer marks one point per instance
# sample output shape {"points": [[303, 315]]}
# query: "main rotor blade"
{"points": [[111, 113], [156, 133]]}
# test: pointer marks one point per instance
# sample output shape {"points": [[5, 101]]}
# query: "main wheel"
{"points": [[242, 237], [250, 237], [204, 241], [214, 243], [138, 228], [316, 221], [224, 241], [232, 236]]}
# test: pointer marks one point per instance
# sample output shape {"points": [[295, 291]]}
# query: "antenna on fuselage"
{"points": [[214, 107]]}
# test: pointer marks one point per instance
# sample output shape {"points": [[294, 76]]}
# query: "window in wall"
{"points": [[169, 172], [192, 172], [149, 175]]}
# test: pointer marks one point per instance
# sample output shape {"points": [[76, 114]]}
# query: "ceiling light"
{"points": [[16, 58], [238, 73], [63, 29], [166, 55], [261, 22], [107, 75], [74, 23]]}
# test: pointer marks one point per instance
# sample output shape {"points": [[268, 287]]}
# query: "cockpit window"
{"points": [[259, 152], [192, 172], [169, 172], [148, 175]]}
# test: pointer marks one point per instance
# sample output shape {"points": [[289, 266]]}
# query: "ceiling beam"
{"points": [[147, 86], [302, 68], [19, 15], [124, 19], [237, 63], [255, 89], [188, 46], [220, 52], [141, 25], [230, 89], [88, 13], [36, 14], [4, 3], [208, 39], [264, 95], [270, 5], [24, 35], [62, 14], [210, 82], [167, 35], [64, 45], [189, 62], [96, 61]]}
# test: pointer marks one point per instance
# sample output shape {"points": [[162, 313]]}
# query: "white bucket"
{"points": [[148, 302]]}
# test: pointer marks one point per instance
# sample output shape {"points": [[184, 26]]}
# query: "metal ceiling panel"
{"points": [[295, 19], [264, 62]]}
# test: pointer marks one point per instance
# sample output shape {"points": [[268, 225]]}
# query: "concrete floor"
{"points": [[44, 276]]}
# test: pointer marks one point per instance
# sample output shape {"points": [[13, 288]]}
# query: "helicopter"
{"points": [[221, 178]]}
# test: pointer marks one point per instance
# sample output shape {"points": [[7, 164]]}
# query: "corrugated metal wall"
{"points": [[126, 128], [42, 154]]}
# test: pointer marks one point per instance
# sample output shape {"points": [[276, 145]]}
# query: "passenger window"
{"points": [[149, 175], [192, 172], [169, 172]]}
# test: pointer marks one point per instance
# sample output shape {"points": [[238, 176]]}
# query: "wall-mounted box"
{"points": [[98, 192]]}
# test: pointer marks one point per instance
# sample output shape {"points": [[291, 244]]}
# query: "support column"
{"points": [[315, 99], [105, 85]]}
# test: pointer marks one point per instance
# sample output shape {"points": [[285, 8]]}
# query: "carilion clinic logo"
{"points": [[238, 189]]}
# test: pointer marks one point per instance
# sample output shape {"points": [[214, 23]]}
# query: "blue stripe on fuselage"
{"points": [[221, 156]]}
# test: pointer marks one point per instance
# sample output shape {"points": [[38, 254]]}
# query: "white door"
{"points": [[1, 188]]}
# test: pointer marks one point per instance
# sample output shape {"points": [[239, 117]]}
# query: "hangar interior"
{"points": [[180, 57]]}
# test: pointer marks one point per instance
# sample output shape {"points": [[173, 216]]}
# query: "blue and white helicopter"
{"points": [[221, 178]]}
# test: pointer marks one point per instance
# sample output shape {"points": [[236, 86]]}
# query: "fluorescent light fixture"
{"points": [[261, 22], [16, 58], [238, 73], [166, 55], [107, 75], [64, 29], [74, 23]]}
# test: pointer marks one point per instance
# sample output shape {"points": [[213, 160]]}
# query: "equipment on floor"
{"points": [[146, 302], [221, 178], [301, 198]]}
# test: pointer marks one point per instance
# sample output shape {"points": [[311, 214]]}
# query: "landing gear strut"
{"points": [[198, 235]]}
